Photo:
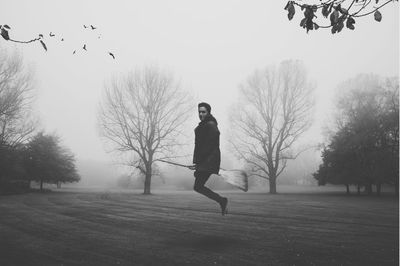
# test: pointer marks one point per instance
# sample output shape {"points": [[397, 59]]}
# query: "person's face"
{"points": [[202, 113]]}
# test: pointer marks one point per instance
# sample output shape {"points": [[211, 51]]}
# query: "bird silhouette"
{"points": [[52, 34], [62, 39], [85, 26], [84, 47], [74, 52], [111, 55], [93, 27]]}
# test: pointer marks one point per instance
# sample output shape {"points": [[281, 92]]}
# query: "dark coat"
{"points": [[207, 155]]}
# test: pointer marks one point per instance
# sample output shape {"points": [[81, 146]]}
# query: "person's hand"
{"points": [[192, 167]]}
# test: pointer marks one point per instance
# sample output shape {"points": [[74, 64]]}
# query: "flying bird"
{"points": [[112, 55], [93, 27], [52, 34], [62, 39], [84, 47], [85, 26], [74, 52]]}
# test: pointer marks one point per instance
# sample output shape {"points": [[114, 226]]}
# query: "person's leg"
{"points": [[201, 179]]}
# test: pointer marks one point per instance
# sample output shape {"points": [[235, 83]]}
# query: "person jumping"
{"points": [[207, 155]]}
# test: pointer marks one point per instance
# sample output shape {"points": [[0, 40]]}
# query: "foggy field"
{"points": [[177, 228]]}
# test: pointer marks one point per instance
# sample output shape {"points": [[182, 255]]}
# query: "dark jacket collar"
{"points": [[208, 118]]}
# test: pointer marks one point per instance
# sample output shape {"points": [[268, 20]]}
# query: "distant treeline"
{"points": [[364, 149]]}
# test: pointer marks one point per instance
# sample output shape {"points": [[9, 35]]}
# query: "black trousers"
{"points": [[201, 179]]}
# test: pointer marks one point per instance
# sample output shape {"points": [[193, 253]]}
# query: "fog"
{"points": [[210, 46]]}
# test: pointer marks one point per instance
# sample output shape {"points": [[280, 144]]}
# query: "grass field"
{"points": [[184, 228]]}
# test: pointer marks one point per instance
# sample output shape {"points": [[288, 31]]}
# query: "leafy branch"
{"points": [[4, 32], [339, 16]]}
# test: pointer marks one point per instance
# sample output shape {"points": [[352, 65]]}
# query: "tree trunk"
{"points": [[147, 181], [347, 189], [41, 184], [378, 189], [272, 185], [368, 188]]}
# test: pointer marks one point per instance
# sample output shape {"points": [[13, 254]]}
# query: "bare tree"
{"points": [[142, 116], [16, 95], [275, 110]]}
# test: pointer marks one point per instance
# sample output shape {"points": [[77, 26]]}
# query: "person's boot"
{"points": [[224, 204]]}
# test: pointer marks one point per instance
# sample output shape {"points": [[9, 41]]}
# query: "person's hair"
{"points": [[206, 105]]}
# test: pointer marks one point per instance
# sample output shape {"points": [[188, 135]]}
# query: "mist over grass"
{"points": [[101, 176]]}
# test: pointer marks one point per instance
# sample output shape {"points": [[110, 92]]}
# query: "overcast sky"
{"points": [[211, 46]]}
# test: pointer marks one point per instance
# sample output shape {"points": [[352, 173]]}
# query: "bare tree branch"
{"points": [[275, 112], [16, 97], [143, 114]]}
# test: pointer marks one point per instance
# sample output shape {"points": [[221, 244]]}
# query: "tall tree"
{"points": [[364, 148], [275, 110], [16, 94], [142, 116], [340, 164], [49, 162]]}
